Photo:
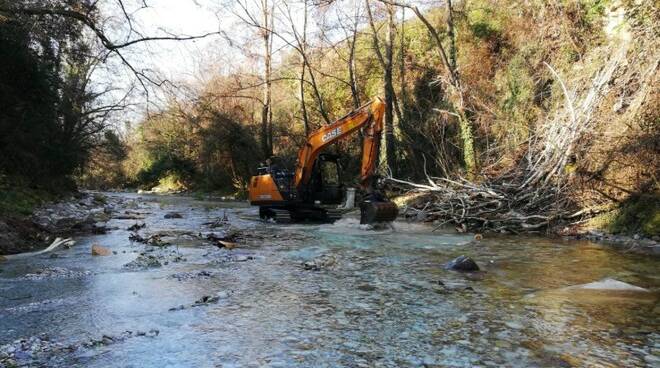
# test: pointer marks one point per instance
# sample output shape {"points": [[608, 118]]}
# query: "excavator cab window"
{"points": [[330, 172], [325, 183]]}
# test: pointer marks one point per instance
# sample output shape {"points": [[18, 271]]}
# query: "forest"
{"points": [[501, 115]]}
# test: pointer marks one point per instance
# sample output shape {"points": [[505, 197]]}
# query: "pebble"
{"points": [[513, 325], [55, 273]]}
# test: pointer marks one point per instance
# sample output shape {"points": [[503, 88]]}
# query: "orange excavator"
{"points": [[314, 191]]}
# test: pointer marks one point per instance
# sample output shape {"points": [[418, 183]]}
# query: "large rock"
{"points": [[173, 215], [98, 250], [463, 264]]}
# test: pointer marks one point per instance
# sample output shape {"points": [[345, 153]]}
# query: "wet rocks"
{"points": [[154, 240], [98, 250], [463, 264], [84, 216], [203, 301], [143, 261], [322, 262], [194, 275], [137, 226], [128, 216], [55, 273], [41, 351], [149, 259], [173, 215]]}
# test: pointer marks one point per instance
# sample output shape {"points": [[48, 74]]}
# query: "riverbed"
{"points": [[322, 295]]}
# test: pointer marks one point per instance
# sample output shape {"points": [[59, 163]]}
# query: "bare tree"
{"points": [[350, 24], [263, 22], [303, 69], [299, 43]]}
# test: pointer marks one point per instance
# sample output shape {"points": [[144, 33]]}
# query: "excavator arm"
{"points": [[374, 207], [369, 116]]}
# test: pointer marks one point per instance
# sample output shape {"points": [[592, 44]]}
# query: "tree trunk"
{"points": [[388, 128], [266, 113], [452, 36], [387, 149], [402, 63], [351, 72], [303, 67]]}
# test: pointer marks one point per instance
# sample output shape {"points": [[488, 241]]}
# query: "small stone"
{"points": [[227, 244], [513, 325], [463, 264], [98, 250]]}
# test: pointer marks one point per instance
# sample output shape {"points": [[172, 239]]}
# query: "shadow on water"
{"points": [[333, 295]]}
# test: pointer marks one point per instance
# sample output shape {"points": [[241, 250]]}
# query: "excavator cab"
{"points": [[325, 184]]}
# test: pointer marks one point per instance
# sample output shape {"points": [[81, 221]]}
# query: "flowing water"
{"points": [[333, 295]]}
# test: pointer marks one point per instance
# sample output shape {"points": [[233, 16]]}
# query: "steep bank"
{"points": [[589, 160]]}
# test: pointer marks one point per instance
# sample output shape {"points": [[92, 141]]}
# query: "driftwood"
{"points": [[68, 242]]}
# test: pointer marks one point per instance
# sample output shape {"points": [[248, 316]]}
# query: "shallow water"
{"points": [[380, 299]]}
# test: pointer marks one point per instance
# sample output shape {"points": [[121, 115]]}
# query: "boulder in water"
{"points": [[463, 264], [173, 215], [98, 250], [610, 284]]}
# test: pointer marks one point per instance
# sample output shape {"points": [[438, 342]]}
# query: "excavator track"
{"points": [[281, 216], [334, 214]]}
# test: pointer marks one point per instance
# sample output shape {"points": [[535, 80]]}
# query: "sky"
{"points": [[191, 62]]}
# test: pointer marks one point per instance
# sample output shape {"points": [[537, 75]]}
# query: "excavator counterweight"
{"points": [[314, 190]]}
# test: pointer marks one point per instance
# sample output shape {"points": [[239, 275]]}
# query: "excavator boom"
{"points": [[369, 115]]}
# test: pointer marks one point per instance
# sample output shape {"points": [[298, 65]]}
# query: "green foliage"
{"points": [[484, 21], [16, 198], [638, 214], [46, 129], [173, 151]]}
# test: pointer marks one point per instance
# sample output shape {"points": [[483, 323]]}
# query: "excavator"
{"points": [[314, 191]]}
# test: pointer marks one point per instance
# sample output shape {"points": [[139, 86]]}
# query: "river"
{"points": [[336, 295]]}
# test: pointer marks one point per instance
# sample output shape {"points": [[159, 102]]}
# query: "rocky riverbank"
{"points": [[81, 213]]}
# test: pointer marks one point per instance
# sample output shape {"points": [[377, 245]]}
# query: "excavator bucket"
{"points": [[372, 212]]}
